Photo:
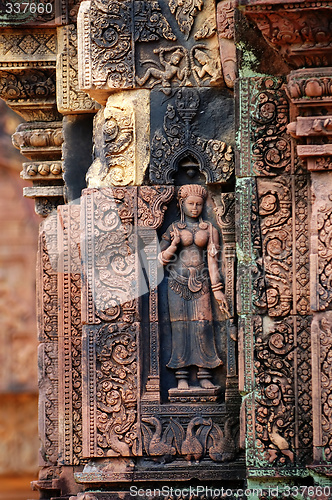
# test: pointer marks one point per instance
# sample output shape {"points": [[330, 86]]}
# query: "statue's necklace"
{"points": [[194, 227]]}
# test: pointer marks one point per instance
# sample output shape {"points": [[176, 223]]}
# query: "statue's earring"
{"points": [[182, 223]]}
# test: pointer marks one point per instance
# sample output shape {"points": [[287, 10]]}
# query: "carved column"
{"points": [[28, 85]]}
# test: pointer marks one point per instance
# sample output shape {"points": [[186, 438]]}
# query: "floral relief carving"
{"points": [[109, 256], [116, 390], [152, 204], [326, 384], [271, 151], [324, 226], [275, 402], [27, 84], [185, 13], [111, 43], [275, 210]]}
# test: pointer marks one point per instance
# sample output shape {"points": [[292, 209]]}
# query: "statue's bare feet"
{"points": [[206, 383], [183, 384]]}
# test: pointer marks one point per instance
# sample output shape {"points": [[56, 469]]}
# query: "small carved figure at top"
{"points": [[190, 250], [171, 68], [207, 67], [185, 12]]}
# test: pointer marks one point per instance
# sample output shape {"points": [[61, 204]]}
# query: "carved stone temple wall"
{"points": [[179, 154]]}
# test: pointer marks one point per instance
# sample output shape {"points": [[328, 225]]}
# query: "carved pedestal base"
{"points": [[194, 395]]}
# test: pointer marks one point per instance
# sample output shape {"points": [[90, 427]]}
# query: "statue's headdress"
{"points": [[190, 190]]}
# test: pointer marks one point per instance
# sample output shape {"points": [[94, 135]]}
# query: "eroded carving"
{"points": [[150, 24], [185, 13], [121, 134], [109, 256]]}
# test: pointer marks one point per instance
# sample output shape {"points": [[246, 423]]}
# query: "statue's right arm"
{"points": [[168, 247]]}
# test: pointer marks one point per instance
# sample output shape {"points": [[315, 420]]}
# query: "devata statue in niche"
{"points": [[190, 250]]}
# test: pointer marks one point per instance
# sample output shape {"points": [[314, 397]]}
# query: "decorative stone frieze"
{"points": [[299, 31], [182, 53]]}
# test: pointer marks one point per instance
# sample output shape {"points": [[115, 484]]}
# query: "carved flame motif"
{"points": [[185, 13], [178, 140]]}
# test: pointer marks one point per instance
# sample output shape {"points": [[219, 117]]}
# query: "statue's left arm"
{"points": [[213, 265]]}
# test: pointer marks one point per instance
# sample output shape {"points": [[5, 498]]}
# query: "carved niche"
{"points": [[177, 145]]}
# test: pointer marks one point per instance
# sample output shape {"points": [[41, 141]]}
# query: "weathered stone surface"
{"points": [[141, 404], [121, 141], [70, 99], [320, 258]]}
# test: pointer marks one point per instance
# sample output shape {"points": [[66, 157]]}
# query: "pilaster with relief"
{"points": [[28, 85], [301, 34]]}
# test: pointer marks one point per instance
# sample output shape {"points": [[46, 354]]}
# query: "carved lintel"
{"points": [[317, 156], [311, 126], [299, 31], [310, 87], [41, 142]]}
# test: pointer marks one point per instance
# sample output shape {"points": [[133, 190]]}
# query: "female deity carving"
{"points": [[190, 250]]}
